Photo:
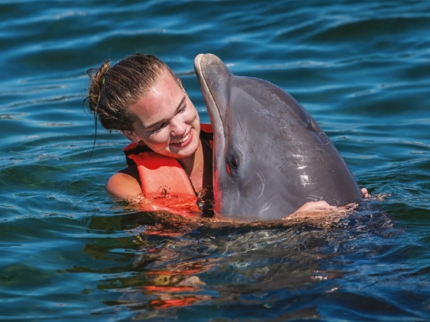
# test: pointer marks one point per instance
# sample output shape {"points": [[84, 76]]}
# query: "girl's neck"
{"points": [[193, 162], [198, 167]]}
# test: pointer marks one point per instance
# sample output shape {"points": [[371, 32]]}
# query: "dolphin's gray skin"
{"points": [[270, 156]]}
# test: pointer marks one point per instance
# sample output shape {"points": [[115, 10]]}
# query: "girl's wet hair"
{"points": [[113, 89]]}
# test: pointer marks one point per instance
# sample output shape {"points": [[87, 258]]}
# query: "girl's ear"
{"points": [[131, 136]]}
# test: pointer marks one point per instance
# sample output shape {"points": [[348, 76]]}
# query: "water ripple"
{"points": [[70, 253]]}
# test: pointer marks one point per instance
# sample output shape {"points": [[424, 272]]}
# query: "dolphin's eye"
{"points": [[231, 164], [234, 163]]}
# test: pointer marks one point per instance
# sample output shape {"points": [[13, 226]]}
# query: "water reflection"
{"points": [[171, 262]]}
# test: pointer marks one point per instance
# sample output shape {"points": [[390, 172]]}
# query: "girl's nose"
{"points": [[177, 127]]}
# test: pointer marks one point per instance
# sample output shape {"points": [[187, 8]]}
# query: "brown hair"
{"points": [[113, 89]]}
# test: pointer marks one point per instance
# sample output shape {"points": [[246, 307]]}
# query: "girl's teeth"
{"points": [[183, 140]]}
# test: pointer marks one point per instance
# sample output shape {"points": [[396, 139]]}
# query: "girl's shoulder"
{"points": [[125, 184]]}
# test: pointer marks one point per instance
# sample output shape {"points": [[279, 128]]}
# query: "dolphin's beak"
{"points": [[214, 78]]}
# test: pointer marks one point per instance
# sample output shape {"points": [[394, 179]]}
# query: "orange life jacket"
{"points": [[162, 178]]}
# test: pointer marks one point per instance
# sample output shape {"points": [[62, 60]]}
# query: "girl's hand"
{"points": [[314, 206], [317, 206], [365, 193]]}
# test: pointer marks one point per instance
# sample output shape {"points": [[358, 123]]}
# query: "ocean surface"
{"points": [[69, 253]]}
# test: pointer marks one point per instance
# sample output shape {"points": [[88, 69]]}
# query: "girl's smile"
{"points": [[166, 119]]}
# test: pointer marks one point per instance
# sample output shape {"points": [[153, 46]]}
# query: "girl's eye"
{"points": [[182, 110], [159, 128]]}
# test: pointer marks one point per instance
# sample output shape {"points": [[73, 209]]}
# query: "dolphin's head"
{"points": [[263, 167], [243, 175], [231, 162]]}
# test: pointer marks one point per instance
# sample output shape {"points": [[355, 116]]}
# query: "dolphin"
{"points": [[269, 155]]}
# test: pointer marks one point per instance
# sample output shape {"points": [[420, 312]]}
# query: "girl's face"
{"points": [[166, 120]]}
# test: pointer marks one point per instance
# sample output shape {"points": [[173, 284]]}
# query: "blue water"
{"points": [[68, 253]]}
